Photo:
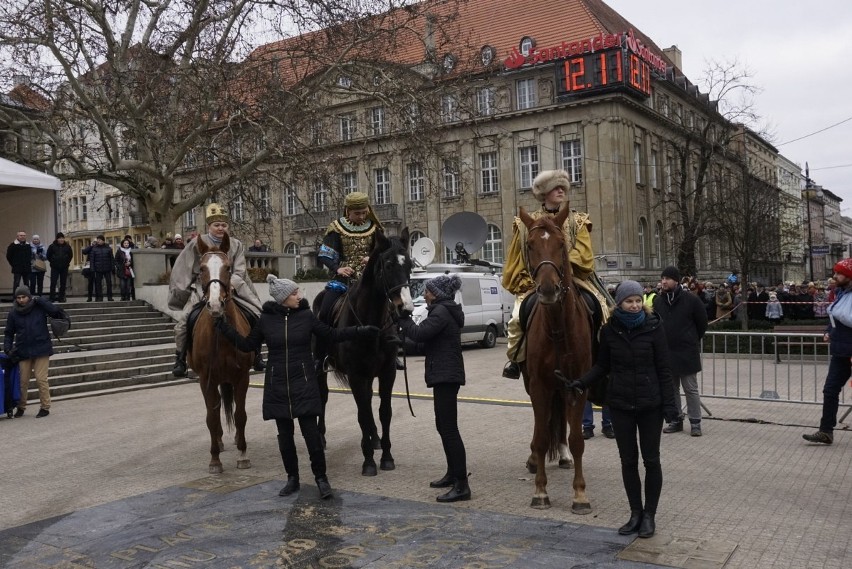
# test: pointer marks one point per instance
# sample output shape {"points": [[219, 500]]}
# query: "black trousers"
{"points": [[58, 276], [648, 424], [99, 293], [287, 445], [20, 278], [37, 283], [446, 421]]}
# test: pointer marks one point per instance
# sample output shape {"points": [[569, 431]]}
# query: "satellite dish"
{"points": [[423, 252], [465, 234]]}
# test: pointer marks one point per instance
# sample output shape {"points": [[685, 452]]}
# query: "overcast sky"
{"points": [[801, 56]]}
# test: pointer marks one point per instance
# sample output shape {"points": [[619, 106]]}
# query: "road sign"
{"points": [[819, 250]]}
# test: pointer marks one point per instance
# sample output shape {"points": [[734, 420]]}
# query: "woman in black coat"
{"points": [[440, 334], [634, 360], [290, 388]]}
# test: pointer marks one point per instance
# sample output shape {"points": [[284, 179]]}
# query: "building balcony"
{"points": [[388, 214], [138, 219]]}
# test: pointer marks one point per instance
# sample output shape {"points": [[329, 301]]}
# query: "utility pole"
{"points": [[808, 185]]}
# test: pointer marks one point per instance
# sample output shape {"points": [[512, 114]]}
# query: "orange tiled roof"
{"points": [[25, 97]]}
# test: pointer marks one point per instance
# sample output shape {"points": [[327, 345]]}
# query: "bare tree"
{"points": [[169, 102]]}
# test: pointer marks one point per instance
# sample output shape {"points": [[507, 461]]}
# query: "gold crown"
{"points": [[215, 212]]}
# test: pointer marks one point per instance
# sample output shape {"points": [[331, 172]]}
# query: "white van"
{"points": [[482, 297]]}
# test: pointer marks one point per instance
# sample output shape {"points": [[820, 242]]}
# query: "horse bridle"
{"points": [[563, 286], [205, 287]]}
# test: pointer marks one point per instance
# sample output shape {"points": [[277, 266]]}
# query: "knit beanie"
{"points": [[280, 289], [627, 289], [672, 273], [23, 290], [444, 286], [844, 267]]}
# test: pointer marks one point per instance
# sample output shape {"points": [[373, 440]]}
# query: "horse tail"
{"points": [[555, 426], [227, 391]]}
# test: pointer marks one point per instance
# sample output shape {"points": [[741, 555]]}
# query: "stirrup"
{"points": [[327, 365]]}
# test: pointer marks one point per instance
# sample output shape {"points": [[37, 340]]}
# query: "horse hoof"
{"points": [[243, 464], [565, 463], [540, 502], [388, 465], [215, 469], [581, 508], [531, 468], [368, 470]]}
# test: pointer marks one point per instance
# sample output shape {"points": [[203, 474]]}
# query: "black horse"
{"points": [[373, 300]]}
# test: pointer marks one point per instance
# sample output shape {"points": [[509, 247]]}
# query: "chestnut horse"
{"points": [[559, 343], [374, 300], [223, 371]]}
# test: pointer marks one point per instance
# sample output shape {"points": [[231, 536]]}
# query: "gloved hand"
{"points": [[367, 331], [670, 414], [576, 385], [404, 313]]}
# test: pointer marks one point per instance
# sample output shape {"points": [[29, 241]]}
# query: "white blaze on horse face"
{"points": [[545, 235], [405, 297], [214, 266]]}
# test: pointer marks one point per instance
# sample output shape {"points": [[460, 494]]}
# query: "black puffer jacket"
{"points": [[440, 334], [100, 258], [59, 255], [637, 362], [26, 328], [685, 321], [290, 387], [20, 256]]}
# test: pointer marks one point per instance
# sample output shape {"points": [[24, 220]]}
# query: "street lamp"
{"points": [[809, 187]]}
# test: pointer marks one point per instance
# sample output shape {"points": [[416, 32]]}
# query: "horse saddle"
{"points": [[196, 312], [530, 303]]}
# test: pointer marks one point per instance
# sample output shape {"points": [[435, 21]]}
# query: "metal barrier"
{"points": [[765, 366]]}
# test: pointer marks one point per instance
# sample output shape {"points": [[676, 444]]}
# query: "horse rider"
{"points": [[345, 251], [550, 188], [185, 293]]}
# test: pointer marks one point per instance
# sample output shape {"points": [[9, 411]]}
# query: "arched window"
{"points": [[658, 244], [293, 249], [492, 251], [643, 246], [414, 236]]}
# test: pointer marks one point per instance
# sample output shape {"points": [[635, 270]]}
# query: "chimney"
{"points": [[429, 40], [674, 55], [19, 79]]}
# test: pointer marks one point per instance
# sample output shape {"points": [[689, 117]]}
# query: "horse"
{"points": [[223, 371], [374, 300], [559, 345]]}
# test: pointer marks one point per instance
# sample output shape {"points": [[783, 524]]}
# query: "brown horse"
{"points": [[223, 370], [559, 343]]}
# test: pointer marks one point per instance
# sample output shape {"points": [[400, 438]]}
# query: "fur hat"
{"points": [[280, 289], [215, 213], [671, 272], [177, 236], [356, 200], [844, 267], [547, 181], [444, 286], [773, 296], [23, 290], [627, 289]]}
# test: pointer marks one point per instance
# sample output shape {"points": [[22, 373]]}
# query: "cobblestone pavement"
{"points": [[750, 481]]}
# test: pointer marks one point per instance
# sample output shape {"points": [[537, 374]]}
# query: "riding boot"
{"points": [[180, 364], [512, 370], [259, 365], [632, 525], [445, 482], [459, 492], [291, 486], [324, 487], [647, 527]]}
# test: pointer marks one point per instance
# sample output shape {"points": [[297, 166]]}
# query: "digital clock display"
{"points": [[603, 70]]}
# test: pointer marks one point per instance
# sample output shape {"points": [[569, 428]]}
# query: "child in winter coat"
{"points": [[774, 310]]}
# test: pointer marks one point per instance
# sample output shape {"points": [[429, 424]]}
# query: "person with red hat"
{"points": [[839, 335]]}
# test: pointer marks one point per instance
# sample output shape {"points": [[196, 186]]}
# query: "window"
{"points": [[493, 249], [293, 249], [485, 101], [667, 174], [265, 205], [637, 161], [528, 164], [75, 212], [488, 172], [347, 127], [236, 207], [84, 211], [412, 115], [344, 81], [658, 244], [349, 182], [525, 93], [449, 108], [643, 246], [377, 121], [414, 236], [572, 160], [316, 131], [653, 172], [320, 200], [451, 178], [189, 218], [291, 202], [416, 182], [383, 186]]}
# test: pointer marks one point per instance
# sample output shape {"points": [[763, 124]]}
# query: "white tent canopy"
{"points": [[17, 176]]}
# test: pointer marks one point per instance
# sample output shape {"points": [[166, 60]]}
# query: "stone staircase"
{"points": [[111, 347]]}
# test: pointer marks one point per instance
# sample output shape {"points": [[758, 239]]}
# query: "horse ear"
{"points": [[404, 237], [226, 243], [562, 216], [525, 217], [382, 242], [202, 245]]}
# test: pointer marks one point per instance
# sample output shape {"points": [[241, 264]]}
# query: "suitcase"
{"points": [[10, 385]]}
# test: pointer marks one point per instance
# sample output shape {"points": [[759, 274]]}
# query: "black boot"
{"points": [[632, 525], [291, 486], [445, 482], [674, 427], [647, 525], [180, 364], [512, 370], [459, 492], [324, 487], [259, 365]]}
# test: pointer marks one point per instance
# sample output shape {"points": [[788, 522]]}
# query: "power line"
{"points": [[816, 132], [832, 167]]}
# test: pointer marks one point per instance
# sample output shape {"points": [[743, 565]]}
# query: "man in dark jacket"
{"points": [[685, 321], [20, 257], [101, 261], [59, 255], [28, 340]]}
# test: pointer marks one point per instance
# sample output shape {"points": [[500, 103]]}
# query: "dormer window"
{"points": [[449, 62], [344, 81], [526, 46], [487, 54]]}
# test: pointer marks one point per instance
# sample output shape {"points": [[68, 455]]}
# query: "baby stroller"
{"points": [[10, 385]]}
